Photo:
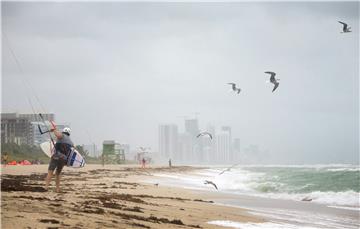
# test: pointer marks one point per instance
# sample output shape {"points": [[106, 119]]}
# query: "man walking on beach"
{"points": [[59, 158], [103, 159]]}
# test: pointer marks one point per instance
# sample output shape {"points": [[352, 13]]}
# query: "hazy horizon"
{"points": [[117, 70]]}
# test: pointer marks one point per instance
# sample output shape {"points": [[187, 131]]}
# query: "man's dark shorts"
{"points": [[57, 164]]}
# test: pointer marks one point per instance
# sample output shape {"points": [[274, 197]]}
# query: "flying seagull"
{"points": [[346, 29], [204, 133], [273, 80], [234, 88], [212, 183], [228, 169]]}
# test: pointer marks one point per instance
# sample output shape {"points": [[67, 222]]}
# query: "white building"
{"points": [[36, 117], [184, 153], [223, 147], [228, 129], [236, 149], [168, 141]]}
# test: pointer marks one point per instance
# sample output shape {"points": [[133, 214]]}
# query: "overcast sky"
{"points": [[117, 70]]}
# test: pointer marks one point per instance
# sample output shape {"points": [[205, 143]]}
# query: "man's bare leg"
{"points": [[48, 179], [57, 179]]}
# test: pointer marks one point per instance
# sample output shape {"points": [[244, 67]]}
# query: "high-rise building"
{"points": [[192, 127], [210, 146], [37, 118], [223, 147], [185, 147], [15, 129], [188, 148], [236, 144], [236, 149], [228, 129], [23, 128], [168, 141]]}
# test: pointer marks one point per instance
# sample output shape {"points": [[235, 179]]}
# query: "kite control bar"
{"points": [[42, 132], [48, 130]]}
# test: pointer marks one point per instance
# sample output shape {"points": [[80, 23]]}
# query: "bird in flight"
{"points": [[234, 88], [203, 134], [210, 182], [346, 29], [273, 80], [228, 169]]}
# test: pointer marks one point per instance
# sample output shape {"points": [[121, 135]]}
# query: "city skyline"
{"points": [[188, 147]]}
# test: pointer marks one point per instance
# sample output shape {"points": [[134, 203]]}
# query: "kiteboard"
{"points": [[75, 160]]}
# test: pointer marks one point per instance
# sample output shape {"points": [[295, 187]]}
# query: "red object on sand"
{"points": [[12, 163], [24, 162]]}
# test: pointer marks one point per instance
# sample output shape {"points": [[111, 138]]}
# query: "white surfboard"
{"points": [[75, 159]]}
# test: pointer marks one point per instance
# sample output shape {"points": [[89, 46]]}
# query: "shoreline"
{"points": [[280, 213], [158, 197], [113, 196]]}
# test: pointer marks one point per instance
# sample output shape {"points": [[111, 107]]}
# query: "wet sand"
{"points": [[111, 197]]}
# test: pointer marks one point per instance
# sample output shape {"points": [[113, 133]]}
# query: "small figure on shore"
{"points": [[143, 161], [5, 158], [170, 163], [59, 158], [102, 159]]}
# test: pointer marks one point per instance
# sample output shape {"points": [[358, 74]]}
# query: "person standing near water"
{"points": [[143, 161], [59, 158], [102, 159]]}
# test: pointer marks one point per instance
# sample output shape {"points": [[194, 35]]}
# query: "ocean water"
{"points": [[333, 191], [331, 185], [232, 224]]}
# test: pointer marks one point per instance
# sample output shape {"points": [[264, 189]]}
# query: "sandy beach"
{"points": [[107, 197]]}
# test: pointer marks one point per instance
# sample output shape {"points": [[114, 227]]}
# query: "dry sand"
{"points": [[110, 197]]}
